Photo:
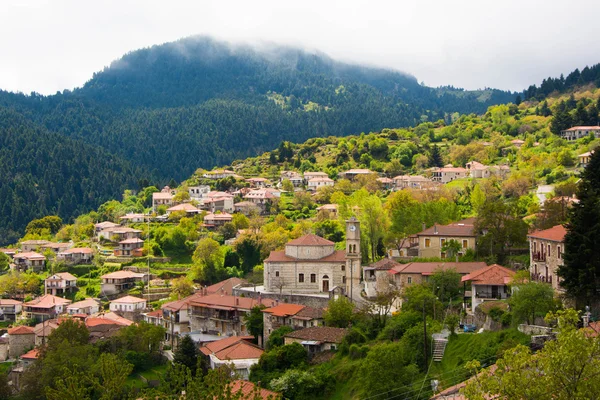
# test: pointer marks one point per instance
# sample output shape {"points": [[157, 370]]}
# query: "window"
{"points": [[277, 274], [465, 243], [442, 242], [313, 278], [559, 251], [443, 254], [343, 267], [343, 279], [409, 280], [301, 278], [427, 242], [548, 250]]}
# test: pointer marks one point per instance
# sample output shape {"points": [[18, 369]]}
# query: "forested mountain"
{"points": [[587, 76], [197, 102]]}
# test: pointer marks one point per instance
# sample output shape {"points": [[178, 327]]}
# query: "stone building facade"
{"points": [[547, 255], [310, 264], [20, 340]]}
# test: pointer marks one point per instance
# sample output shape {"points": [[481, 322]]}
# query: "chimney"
{"points": [[435, 229], [237, 301], [424, 226]]}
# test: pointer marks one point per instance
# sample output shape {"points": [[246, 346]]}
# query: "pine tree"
{"points": [[187, 353], [435, 158], [581, 271]]}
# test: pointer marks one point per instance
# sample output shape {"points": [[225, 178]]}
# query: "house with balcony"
{"points": [[29, 260], [45, 307], [9, 309], [577, 132], [132, 218], [32, 245], [198, 192], [161, 199], [584, 158], [448, 174], [222, 314], [60, 283], [308, 175], [377, 278], [56, 247], [133, 247], [88, 306], [315, 183], [118, 233], [120, 281], [488, 284], [236, 351], [296, 316], [217, 220], [546, 254], [129, 307], [433, 239], [175, 318], [76, 255], [188, 208]]}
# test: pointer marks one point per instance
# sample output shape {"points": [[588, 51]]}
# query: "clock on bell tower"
{"points": [[353, 268]]}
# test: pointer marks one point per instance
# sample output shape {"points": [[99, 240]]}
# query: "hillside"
{"points": [[198, 102]]}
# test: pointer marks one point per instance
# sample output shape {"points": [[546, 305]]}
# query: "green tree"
{"points": [[287, 185], [445, 283], [111, 376], [50, 222], [580, 273], [181, 287], [339, 313], [73, 387], [276, 337], [451, 248], [254, 321], [208, 261], [4, 262], [435, 158], [420, 297], [531, 299], [187, 353]]}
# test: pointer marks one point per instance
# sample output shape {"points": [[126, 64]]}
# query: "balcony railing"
{"points": [[539, 257], [537, 277]]}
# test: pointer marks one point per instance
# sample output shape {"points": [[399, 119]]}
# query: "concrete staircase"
{"points": [[439, 346]]}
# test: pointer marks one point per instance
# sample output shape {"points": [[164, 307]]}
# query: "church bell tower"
{"points": [[353, 268]]}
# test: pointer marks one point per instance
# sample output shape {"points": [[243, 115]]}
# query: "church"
{"points": [[312, 265]]}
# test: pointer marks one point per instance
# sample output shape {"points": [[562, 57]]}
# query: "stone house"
{"points": [[415, 273], [161, 199], [296, 316], [448, 174], [246, 208], [488, 284], [60, 283], [119, 281], [222, 314], [237, 351], [77, 255], [21, 339], [3, 348], [411, 182], [577, 132], [308, 175], [56, 247], [217, 220], [129, 307], [315, 183], [317, 339], [352, 174], [88, 306], [10, 309], [133, 247], [222, 204], [311, 265], [546, 255], [32, 245], [133, 218], [45, 307], [432, 240], [377, 278], [29, 261], [189, 209], [119, 233]]}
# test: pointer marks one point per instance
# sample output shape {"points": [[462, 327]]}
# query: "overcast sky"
{"points": [[54, 45]]}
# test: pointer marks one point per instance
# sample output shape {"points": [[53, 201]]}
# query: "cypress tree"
{"points": [[187, 353], [581, 271], [435, 158]]}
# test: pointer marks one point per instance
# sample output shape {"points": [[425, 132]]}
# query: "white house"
{"points": [[118, 281], [60, 283], [88, 307], [133, 218], [316, 183], [198, 192], [489, 284], [448, 174], [10, 309], [128, 304], [577, 132], [219, 174]]}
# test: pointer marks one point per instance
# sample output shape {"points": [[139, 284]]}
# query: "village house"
{"points": [[406, 249], [352, 174], [119, 233], [294, 177], [88, 306], [308, 175], [246, 208], [218, 202], [119, 281], [44, 329], [32, 245], [76, 255], [237, 351], [60, 283], [330, 209], [198, 192], [187, 207], [262, 198], [9, 309], [257, 182], [105, 325], [488, 284], [133, 218], [45, 307], [311, 264], [56, 247], [432, 240], [222, 314], [411, 182], [246, 390], [546, 254], [9, 252], [133, 247], [517, 143], [316, 183], [296, 316], [25, 361], [219, 174], [21, 339], [175, 318], [386, 183], [478, 170], [377, 278], [448, 174], [584, 159], [217, 220], [415, 273], [317, 339], [129, 307], [577, 132], [29, 261], [99, 227], [161, 199], [153, 317]]}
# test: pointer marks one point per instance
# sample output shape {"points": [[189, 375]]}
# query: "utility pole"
{"points": [[424, 334]]}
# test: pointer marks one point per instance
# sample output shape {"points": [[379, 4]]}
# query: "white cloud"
{"points": [[54, 45]]}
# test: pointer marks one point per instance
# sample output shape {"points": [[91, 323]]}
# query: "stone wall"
{"points": [[20, 344], [534, 329], [304, 299], [289, 275]]}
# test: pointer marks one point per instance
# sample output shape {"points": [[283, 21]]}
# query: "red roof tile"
{"points": [[280, 256], [21, 330], [320, 333], [556, 234], [461, 228], [428, 268], [495, 274], [240, 351], [284, 310], [226, 302], [245, 390], [311, 240], [31, 354], [218, 345]]}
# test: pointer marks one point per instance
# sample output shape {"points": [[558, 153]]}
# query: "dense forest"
{"points": [[588, 75]]}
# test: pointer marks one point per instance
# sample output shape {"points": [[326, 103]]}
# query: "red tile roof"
{"points": [[385, 264], [30, 255], [78, 250], [240, 351], [155, 314], [47, 301], [31, 354], [280, 256], [556, 234], [225, 302], [218, 345], [495, 275], [311, 240], [461, 228], [319, 333], [428, 268], [21, 330], [128, 299], [284, 310], [225, 286], [245, 390]]}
